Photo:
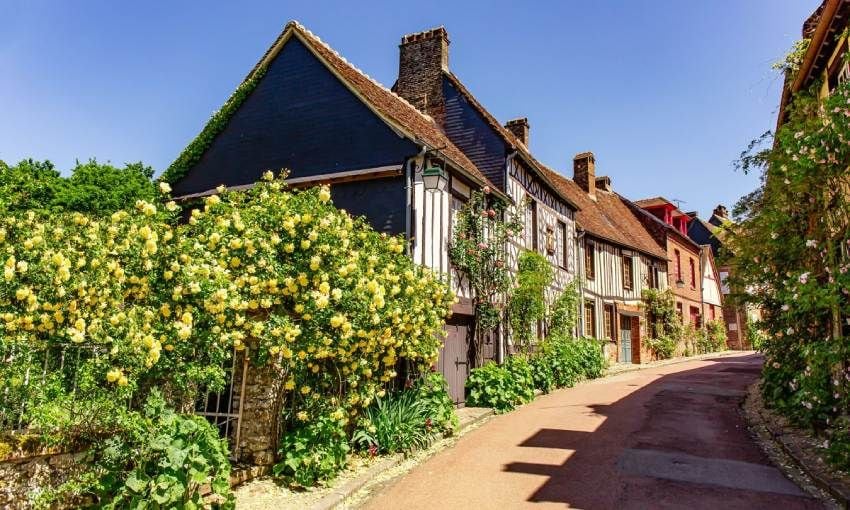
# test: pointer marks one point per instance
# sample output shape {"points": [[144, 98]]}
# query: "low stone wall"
{"points": [[23, 477], [260, 418]]}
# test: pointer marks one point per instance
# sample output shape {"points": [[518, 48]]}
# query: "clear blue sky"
{"points": [[666, 93]]}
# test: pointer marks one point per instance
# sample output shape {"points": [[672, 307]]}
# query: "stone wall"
{"points": [[259, 427], [23, 477]]}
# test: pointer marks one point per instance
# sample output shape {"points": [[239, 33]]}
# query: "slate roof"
{"points": [[509, 138], [406, 118], [608, 218]]}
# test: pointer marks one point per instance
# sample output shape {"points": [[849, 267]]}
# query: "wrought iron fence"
{"points": [[30, 376]]}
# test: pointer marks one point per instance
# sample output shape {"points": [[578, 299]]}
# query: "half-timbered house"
{"points": [[306, 109], [501, 152], [617, 260]]}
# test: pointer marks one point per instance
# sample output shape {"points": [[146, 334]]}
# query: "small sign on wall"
{"points": [[733, 326]]}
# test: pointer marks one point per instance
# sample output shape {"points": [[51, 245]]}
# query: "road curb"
{"points": [[759, 419], [674, 361], [470, 418]]}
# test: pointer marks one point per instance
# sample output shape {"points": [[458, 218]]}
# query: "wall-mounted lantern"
{"points": [[434, 178]]}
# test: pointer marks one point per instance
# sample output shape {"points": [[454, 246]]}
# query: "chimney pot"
{"points": [[519, 128], [720, 211], [423, 57], [584, 172], [603, 183]]}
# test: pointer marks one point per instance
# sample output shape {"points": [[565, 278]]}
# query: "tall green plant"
{"points": [[479, 251], [527, 303], [564, 312], [791, 247], [666, 329]]}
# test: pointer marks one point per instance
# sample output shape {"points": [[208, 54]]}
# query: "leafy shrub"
{"points": [[542, 372], [170, 456], [401, 422], [662, 347], [713, 338], [527, 304], [313, 452], [572, 360], [501, 387], [563, 314], [433, 391], [158, 459]]}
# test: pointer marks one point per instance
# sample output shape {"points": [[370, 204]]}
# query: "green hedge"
{"points": [[559, 362]]}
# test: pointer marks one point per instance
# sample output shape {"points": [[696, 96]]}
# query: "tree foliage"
{"points": [[92, 187], [791, 258]]}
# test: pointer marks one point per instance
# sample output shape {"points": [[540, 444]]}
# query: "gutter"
{"points": [[817, 40]]}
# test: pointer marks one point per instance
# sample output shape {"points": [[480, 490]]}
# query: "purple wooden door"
{"points": [[453, 362]]}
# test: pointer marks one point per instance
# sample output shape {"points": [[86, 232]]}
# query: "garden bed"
{"points": [[362, 476], [799, 455]]}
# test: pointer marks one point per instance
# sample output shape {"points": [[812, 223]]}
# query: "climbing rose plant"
{"points": [[330, 305], [478, 251], [791, 260]]}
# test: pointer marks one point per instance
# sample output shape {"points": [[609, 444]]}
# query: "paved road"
{"points": [[665, 437]]}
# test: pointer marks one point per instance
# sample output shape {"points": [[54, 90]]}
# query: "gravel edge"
{"points": [[764, 429]]}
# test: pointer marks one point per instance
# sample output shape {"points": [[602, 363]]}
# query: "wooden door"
{"points": [[454, 360], [625, 339]]}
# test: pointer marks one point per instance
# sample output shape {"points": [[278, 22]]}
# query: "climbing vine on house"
{"points": [[527, 304], [478, 250], [791, 249], [664, 323]]}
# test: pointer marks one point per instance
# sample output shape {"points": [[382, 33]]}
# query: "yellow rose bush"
{"points": [[333, 305], [96, 313]]}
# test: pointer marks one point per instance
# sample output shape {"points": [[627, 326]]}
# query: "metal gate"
{"points": [[224, 409], [454, 360], [625, 339]]}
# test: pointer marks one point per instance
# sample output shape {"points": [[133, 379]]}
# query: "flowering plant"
{"points": [[791, 257]]}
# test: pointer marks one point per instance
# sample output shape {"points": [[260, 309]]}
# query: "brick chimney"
{"points": [[519, 128], [584, 172], [721, 212], [423, 57]]}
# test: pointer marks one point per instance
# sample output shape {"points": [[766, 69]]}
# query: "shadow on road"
{"points": [[686, 446]]}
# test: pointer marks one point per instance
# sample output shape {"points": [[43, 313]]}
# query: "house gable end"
{"points": [[299, 116], [472, 134]]}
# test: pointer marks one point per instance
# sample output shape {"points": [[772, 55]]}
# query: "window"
{"points": [[531, 225], [550, 241], [608, 322], [711, 312], [562, 234], [589, 260], [693, 274], [628, 269], [680, 312], [678, 269], [653, 277], [589, 319], [696, 320]]}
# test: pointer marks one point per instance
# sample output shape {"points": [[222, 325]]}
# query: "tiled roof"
{"points": [[384, 102], [608, 217], [509, 138]]}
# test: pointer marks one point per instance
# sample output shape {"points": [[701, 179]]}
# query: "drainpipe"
{"points": [[579, 261], [410, 169], [502, 348]]}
